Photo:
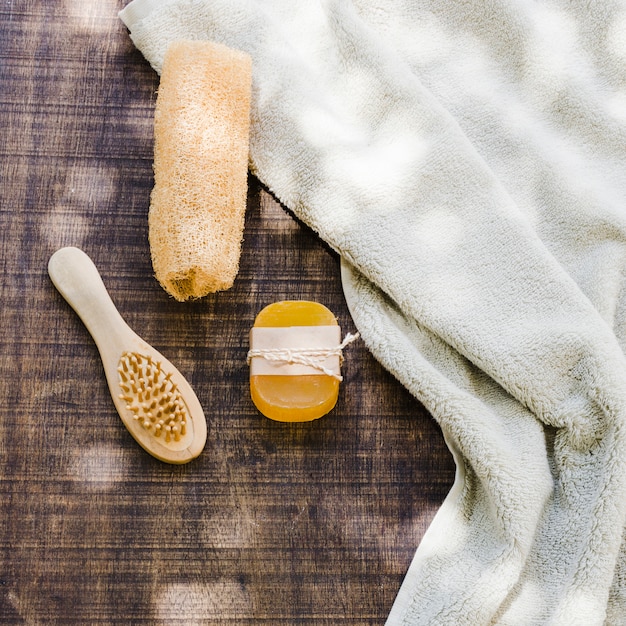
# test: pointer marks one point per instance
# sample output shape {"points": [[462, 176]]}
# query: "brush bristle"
{"points": [[152, 397]]}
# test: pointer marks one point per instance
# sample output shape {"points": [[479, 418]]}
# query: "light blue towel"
{"points": [[468, 162]]}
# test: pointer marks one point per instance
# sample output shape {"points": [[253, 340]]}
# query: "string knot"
{"points": [[312, 357]]}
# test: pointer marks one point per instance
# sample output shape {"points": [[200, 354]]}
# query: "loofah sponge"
{"points": [[201, 143]]}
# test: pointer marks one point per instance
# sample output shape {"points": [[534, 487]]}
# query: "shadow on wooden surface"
{"points": [[274, 524]]}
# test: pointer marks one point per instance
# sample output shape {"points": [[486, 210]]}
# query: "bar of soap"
{"points": [[287, 391]]}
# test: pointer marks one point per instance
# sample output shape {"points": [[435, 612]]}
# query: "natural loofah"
{"points": [[201, 137]]}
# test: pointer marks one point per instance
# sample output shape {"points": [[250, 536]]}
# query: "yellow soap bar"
{"points": [[294, 397]]}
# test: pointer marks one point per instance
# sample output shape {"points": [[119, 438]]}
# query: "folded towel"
{"points": [[468, 162]]}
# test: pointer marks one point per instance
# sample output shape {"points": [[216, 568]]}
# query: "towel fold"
{"points": [[468, 162]]}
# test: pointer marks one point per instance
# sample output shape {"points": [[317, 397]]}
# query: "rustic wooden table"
{"points": [[273, 524]]}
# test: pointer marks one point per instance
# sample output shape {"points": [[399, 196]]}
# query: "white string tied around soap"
{"points": [[312, 357]]}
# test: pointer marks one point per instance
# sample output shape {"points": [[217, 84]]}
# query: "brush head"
{"points": [[154, 401]]}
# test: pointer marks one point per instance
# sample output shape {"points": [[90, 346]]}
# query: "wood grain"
{"points": [[274, 524]]}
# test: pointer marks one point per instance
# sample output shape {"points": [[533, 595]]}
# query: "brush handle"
{"points": [[79, 282]]}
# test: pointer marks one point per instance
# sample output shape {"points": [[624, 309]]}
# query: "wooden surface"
{"points": [[274, 524]]}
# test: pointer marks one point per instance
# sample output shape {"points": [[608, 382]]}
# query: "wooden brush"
{"points": [[157, 405]]}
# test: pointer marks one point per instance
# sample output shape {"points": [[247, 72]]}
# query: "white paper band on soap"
{"points": [[295, 350]]}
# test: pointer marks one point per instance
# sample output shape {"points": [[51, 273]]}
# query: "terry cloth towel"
{"points": [[468, 162]]}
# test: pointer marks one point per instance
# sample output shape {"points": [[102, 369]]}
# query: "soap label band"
{"points": [[295, 351]]}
